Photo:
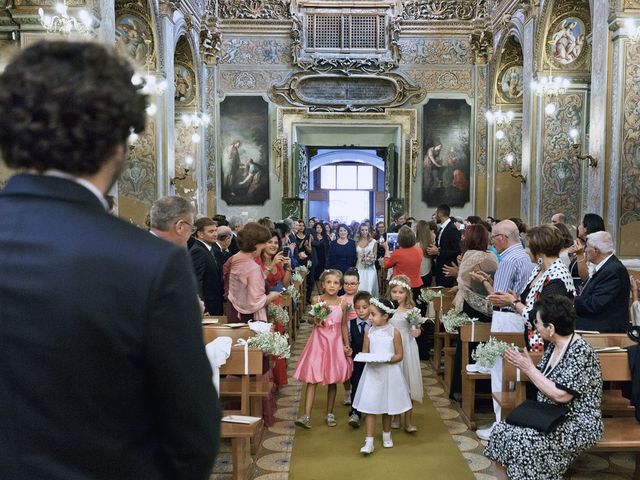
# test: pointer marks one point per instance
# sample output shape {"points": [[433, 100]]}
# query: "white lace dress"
{"points": [[382, 388], [368, 273], [411, 356]]}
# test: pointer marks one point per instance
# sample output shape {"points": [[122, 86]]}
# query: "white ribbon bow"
{"points": [[241, 342]]}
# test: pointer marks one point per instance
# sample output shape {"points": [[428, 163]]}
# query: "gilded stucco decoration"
{"points": [[184, 147], [510, 144], [482, 47], [255, 51], [210, 154], [138, 180], [451, 80], [210, 42], [630, 207], [245, 81], [480, 121], [632, 4], [561, 184], [445, 10], [509, 82], [254, 9], [421, 51]]}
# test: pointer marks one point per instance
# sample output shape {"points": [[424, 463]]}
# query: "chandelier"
{"points": [[64, 24], [550, 86]]}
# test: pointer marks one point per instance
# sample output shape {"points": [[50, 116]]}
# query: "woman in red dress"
{"points": [[277, 272]]}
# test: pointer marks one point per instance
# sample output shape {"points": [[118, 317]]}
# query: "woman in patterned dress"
{"points": [[568, 374]]}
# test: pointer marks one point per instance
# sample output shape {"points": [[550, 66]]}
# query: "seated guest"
{"points": [[208, 272], [603, 304], [568, 374], [171, 218]]}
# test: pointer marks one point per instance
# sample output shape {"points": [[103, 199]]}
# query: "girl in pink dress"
{"points": [[325, 358]]}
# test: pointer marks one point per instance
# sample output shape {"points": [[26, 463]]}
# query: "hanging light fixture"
{"points": [[500, 119], [196, 120], [550, 86], [64, 24]]}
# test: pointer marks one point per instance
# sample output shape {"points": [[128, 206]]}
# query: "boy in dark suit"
{"points": [[357, 330]]}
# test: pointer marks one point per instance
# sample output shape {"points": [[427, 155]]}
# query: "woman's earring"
{"points": [[539, 260]]}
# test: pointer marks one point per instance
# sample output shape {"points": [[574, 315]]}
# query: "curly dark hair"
{"points": [[66, 106]]}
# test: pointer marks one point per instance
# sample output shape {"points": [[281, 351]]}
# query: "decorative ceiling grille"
{"points": [[346, 32]]}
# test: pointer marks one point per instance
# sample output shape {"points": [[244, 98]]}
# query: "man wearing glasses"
{"points": [[172, 220]]}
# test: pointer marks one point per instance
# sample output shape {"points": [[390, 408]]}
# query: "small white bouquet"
{"points": [[414, 318], [292, 292], [453, 320], [272, 343], [277, 314], [319, 311], [427, 295], [302, 269], [486, 353], [296, 278]]}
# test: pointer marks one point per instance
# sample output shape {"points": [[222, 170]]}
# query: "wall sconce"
{"points": [[188, 160], [509, 158], [632, 30], [195, 121], [500, 119], [577, 148]]}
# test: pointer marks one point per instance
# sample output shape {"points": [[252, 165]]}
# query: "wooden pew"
{"points": [[287, 304], [214, 320], [439, 336], [211, 332], [621, 434], [241, 434]]}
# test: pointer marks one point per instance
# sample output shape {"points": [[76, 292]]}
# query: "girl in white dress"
{"points": [[382, 389], [367, 249], [400, 293]]}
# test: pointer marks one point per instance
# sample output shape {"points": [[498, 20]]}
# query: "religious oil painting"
{"points": [[446, 157], [185, 85], [244, 129], [567, 40], [511, 83], [134, 38]]}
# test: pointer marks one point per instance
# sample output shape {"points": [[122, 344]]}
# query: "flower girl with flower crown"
{"points": [[382, 389]]}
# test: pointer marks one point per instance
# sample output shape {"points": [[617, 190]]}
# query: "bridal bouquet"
{"points": [[319, 311], [296, 277], [368, 259], [414, 318], [277, 314], [453, 320], [292, 292], [486, 353], [272, 343]]}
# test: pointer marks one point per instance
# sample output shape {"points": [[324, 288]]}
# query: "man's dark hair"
{"points": [[444, 209], [362, 295], [221, 220], [66, 106], [201, 223]]}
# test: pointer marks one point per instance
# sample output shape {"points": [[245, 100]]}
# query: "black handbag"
{"points": [[543, 417]]}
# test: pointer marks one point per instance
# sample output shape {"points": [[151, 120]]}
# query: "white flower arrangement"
{"points": [[427, 294], [453, 320], [277, 314], [301, 269], [368, 259], [296, 278], [272, 343], [292, 292], [414, 317], [486, 353]]}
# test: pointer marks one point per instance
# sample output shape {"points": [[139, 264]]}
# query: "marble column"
{"points": [[529, 123], [165, 142]]}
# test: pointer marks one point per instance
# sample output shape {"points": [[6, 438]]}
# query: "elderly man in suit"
{"points": [[103, 372], [207, 269], [603, 304], [447, 247], [172, 220], [221, 246]]}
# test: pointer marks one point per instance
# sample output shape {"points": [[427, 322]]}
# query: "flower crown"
{"points": [[382, 306], [400, 283]]}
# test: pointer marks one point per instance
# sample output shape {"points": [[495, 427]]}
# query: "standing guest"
{"points": [[425, 238], [122, 323], [358, 328], [221, 246], [567, 243], [512, 274], [350, 285], [329, 232], [603, 304], [320, 251], [221, 220], [304, 251], [235, 224], [342, 251], [558, 218], [312, 226], [447, 247], [382, 389], [171, 218], [568, 374], [381, 236], [243, 278], [367, 249], [635, 302], [591, 223], [406, 260], [208, 272], [399, 220]]}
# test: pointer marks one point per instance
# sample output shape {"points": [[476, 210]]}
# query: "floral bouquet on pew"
{"points": [[486, 353], [292, 292], [318, 312], [272, 343], [302, 269], [415, 318], [277, 314], [296, 277], [453, 320], [427, 295]]}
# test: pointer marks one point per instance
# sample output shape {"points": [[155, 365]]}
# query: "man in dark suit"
{"points": [[103, 372], [171, 218], [208, 271], [603, 304], [220, 247], [357, 331], [447, 247]]}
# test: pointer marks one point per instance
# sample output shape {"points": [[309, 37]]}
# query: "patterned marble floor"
{"points": [[274, 456]]}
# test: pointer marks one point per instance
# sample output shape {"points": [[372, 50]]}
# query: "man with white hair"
{"points": [[172, 220], [235, 224], [603, 304], [558, 218]]}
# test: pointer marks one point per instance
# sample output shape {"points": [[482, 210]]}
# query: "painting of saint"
{"points": [[446, 127], [511, 83], [567, 40], [133, 38], [244, 129], [184, 84]]}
